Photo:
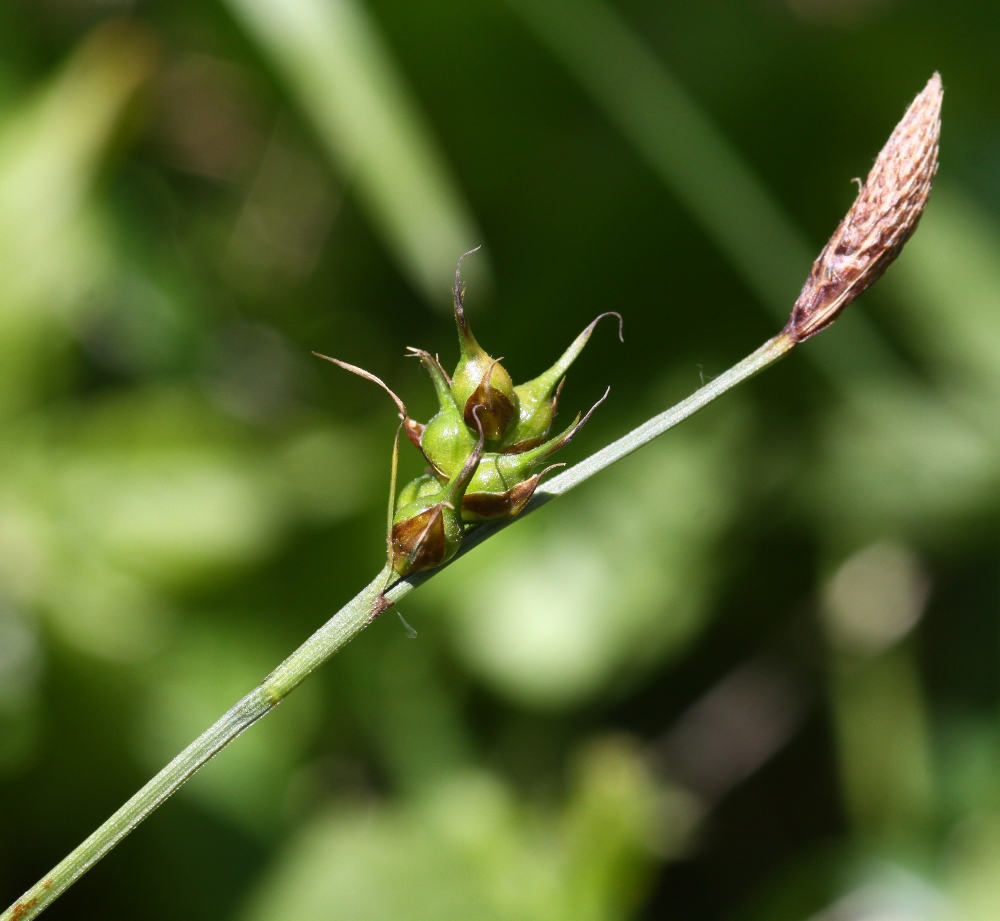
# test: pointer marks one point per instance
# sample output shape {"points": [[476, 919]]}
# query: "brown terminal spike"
{"points": [[881, 220]]}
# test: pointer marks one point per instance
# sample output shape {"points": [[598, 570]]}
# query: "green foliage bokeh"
{"points": [[749, 673]]}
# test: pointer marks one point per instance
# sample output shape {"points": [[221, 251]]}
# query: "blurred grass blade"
{"points": [[872, 603], [344, 78], [686, 151], [50, 150], [884, 751], [695, 161], [950, 284]]}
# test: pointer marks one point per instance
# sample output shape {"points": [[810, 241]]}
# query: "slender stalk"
{"points": [[766, 355], [338, 631]]}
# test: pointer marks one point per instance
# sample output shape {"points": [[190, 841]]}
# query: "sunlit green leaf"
{"points": [[345, 79]]}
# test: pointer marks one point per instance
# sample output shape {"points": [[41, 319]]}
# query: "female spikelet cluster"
{"points": [[486, 447]]}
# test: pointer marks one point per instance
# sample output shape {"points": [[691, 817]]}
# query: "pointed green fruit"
{"points": [[420, 488], [480, 382], [538, 399], [427, 531], [446, 441], [503, 483]]}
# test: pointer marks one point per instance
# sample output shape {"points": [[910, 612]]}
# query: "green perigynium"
{"points": [[427, 526], [486, 447]]}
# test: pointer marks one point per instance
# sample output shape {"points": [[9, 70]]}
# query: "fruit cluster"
{"points": [[485, 447]]}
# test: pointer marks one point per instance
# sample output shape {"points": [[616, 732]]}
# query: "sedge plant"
{"points": [[488, 446]]}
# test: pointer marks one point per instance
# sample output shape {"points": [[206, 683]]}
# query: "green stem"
{"points": [[337, 632], [766, 355]]}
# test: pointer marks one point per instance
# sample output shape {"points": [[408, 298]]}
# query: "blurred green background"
{"points": [[748, 674]]}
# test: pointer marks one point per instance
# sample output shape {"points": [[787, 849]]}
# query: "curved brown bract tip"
{"points": [[556, 395], [526, 445], [609, 313], [429, 361], [461, 259], [575, 430], [458, 293], [368, 376], [881, 220]]}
